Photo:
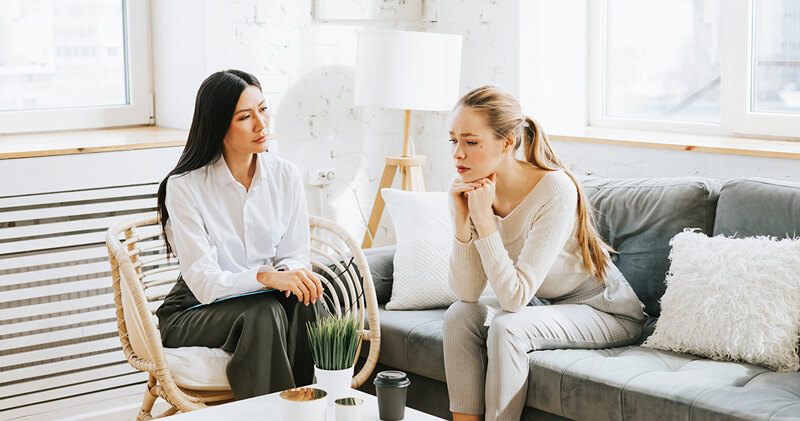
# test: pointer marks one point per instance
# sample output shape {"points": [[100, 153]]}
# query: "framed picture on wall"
{"points": [[326, 10]]}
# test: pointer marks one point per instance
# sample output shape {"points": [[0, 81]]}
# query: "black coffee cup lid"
{"points": [[391, 378]]}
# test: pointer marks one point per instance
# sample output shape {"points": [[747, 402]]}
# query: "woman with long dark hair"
{"points": [[236, 218], [525, 227]]}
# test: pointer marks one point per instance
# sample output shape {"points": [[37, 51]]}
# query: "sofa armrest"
{"points": [[381, 265]]}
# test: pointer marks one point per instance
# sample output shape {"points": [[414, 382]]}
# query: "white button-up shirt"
{"points": [[224, 234]]}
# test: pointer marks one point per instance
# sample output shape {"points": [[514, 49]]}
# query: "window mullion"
{"points": [[735, 52]]}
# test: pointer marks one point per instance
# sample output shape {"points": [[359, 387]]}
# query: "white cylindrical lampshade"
{"points": [[407, 70]]}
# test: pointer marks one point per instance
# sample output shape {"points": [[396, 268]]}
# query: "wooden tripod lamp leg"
{"points": [[377, 208]]}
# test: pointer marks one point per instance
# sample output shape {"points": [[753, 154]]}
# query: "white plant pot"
{"points": [[335, 382]]}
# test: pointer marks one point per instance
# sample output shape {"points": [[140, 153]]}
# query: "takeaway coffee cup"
{"points": [[391, 388]]}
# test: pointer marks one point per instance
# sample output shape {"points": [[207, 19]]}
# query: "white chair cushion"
{"points": [[199, 368]]}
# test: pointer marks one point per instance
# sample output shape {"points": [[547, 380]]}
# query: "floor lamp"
{"points": [[408, 71]]}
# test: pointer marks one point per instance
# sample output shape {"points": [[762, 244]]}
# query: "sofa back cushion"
{"points": [[756, 206], [381, 265], [639, 216]]}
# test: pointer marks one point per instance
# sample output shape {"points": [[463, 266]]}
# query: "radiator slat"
{"points": [[54, 274], [9, 264], [78, 211], [12, 263], [97, 239], [59, 335], [44, 410], [58, 352], [57, 381], [51, 290], [56, 322], [56, 307], [57, 198], [54, 368], [38, 230], [74, 390]]}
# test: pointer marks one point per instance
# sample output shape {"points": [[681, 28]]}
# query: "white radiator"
{"points": [[58, 333]]}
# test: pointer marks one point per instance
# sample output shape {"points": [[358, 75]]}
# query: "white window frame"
{"points": [[737, 36], [736, 117], [139, 111]]}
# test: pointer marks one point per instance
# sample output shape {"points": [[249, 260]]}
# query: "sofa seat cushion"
{"points": [[630, 383], [411, 340], [635, 383], [768, 396]]}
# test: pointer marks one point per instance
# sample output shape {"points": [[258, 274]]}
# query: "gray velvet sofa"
{"points": [[637, 217]]}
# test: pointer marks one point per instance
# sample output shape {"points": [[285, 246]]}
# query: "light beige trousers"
{"points": [[485, 349]]}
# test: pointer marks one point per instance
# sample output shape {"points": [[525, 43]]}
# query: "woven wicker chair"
{"points": [[142, 277]]}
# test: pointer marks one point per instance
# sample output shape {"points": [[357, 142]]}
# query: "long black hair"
{"points": [[213, 110]]}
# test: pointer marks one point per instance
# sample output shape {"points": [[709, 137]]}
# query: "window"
{"points": [[776, 58], [70, 64], [700, 66]]}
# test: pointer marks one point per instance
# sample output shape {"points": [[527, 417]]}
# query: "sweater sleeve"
{"points": [[466, 278], [549, 231]]}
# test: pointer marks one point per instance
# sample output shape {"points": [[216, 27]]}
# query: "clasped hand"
{"points": [[473, 200], [301, 282]]}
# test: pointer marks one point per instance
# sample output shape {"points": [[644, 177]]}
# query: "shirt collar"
{"points": [[222, 174]]}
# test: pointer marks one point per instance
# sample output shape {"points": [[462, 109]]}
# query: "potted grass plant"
{"points": [[334, 342]]}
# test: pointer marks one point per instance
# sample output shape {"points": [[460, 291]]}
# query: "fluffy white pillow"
{"points": [[424, 231], [732, 299]]}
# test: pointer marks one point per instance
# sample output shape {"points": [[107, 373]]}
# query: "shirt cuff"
{"points": [[294, 264], [250, 281], [491, 247]]}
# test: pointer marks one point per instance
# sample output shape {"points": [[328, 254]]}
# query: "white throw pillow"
{"points": [[732, 299], [424, 231]]}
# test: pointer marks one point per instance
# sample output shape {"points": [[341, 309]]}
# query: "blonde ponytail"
{"points": [[593, 249], [505, 117]]}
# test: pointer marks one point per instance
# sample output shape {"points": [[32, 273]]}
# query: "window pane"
{"points": [[776, 56], [662, 60], [61, 54]]}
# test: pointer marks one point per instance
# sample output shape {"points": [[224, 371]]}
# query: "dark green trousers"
{"points": [[266, 333]]}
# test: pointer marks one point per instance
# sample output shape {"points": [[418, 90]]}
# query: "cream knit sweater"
{"points": [[535, 251]]}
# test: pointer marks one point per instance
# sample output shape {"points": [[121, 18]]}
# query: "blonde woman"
{"points": [[525, 228]]}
